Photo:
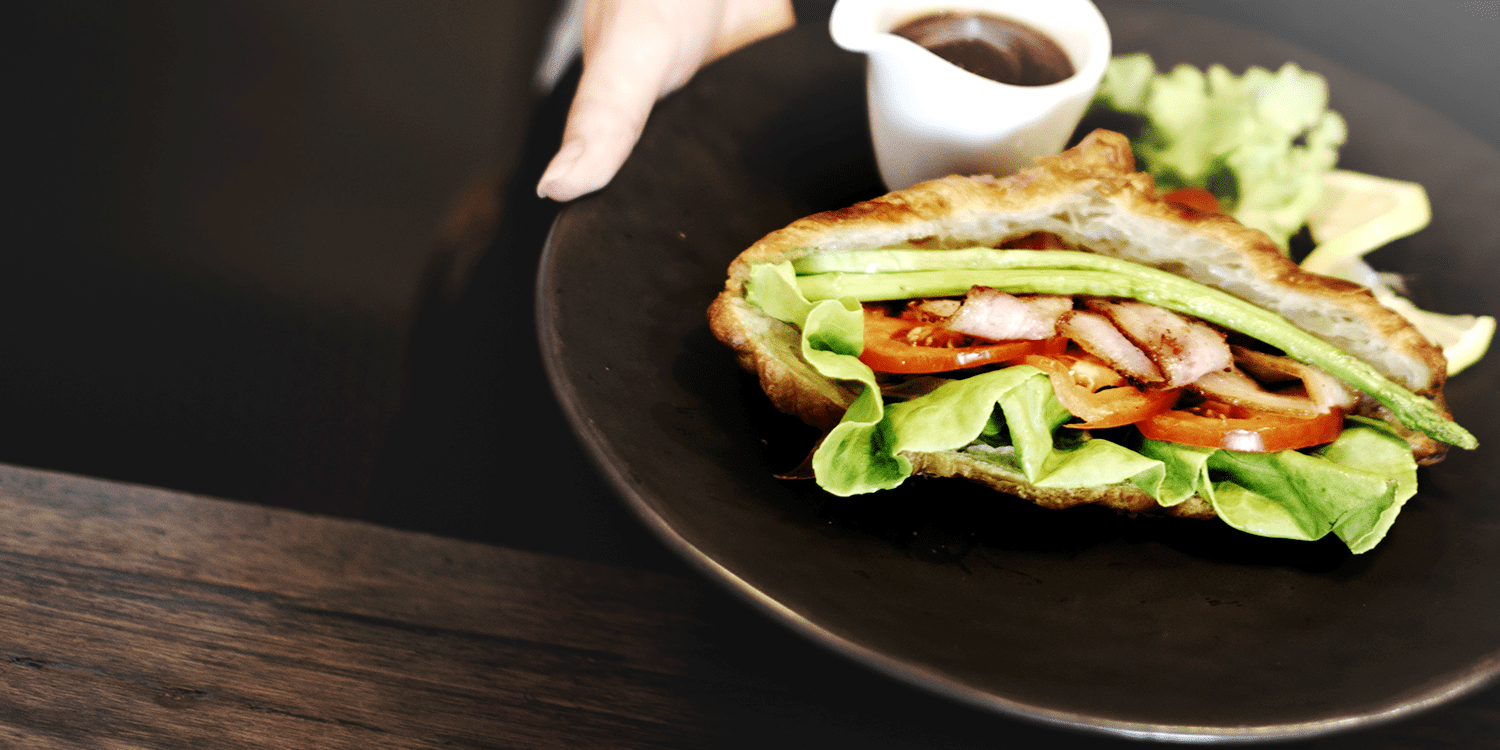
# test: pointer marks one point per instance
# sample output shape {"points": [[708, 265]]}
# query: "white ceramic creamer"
{"points": [[930, 118]]}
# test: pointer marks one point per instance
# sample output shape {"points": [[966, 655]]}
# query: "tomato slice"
{"points": [[1099, 405], [889, 347], [1217, 425], [1195, 197]]}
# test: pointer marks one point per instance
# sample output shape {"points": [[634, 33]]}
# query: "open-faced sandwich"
{"points": [[1069, 336]]}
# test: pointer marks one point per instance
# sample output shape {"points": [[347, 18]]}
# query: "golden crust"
{"points": [[772, 350], [1093, 199], [1126, 498]]}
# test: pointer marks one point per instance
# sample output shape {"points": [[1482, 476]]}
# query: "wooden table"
{"points": [[133, 617]]}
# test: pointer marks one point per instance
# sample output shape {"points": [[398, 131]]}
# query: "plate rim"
{"points": [[1480, 675]]}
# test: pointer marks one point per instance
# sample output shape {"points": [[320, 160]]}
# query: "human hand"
{"points": [[635, 52]]}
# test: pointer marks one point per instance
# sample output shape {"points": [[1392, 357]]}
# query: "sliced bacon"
{"points": [[1095, 334], [1233, 386], [1184, 349], [1146, 345], [1316, 393], [1326, 391], [992, 314], [932, 310]]}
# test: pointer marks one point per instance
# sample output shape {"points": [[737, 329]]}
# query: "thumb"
{"points": [[631, 58], [601, 131]]}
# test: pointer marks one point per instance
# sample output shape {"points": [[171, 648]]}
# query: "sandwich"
{"points": [[1069, 336]]}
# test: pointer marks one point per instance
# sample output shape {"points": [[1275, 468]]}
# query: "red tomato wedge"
{"points": [[1216, 425], [1195, 197], [1099, 405], [889, 347]]}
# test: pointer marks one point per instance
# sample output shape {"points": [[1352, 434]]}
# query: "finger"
{"points": [[635, 53], [599, 136]]}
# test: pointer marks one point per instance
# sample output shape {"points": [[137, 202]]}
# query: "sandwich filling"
{"points": [[1081, 370]]}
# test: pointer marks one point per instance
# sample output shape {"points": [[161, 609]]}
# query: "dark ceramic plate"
{"points": [[1141, 627]]}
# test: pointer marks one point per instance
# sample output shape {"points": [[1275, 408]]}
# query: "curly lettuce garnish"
{"points": [[1261, 141]]}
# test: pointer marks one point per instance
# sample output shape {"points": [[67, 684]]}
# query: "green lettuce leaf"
{"points": [[1352, 488], [857, 455]]}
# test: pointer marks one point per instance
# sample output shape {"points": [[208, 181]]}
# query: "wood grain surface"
{"points": [[132, 617], [136, 618]]}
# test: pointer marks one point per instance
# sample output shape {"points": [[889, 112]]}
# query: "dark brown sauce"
{"points": [[997, 48]]}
